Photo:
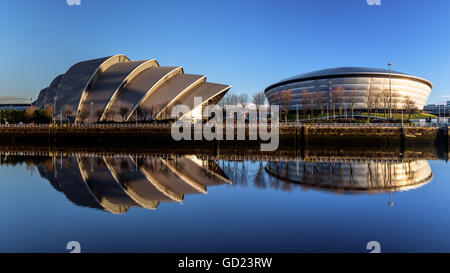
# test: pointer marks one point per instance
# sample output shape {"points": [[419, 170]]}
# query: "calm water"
{"points": [[189, 203]]}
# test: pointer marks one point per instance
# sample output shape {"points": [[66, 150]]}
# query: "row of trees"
{"points": [[339, 100], [30, 115], [258, 98]]}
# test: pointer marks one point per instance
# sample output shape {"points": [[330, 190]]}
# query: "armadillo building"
{"points": [[118, 89], [350, 86]]}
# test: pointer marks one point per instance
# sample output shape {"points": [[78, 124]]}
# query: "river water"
{"points": [[199, 203]]}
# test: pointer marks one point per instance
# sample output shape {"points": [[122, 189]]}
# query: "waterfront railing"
{"points": [[281, 125]]}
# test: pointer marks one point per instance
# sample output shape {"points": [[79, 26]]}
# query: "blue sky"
{"points": [[248, 44]]}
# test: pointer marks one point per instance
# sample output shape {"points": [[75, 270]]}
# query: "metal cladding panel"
{"points": [[137, 88], [71, 183], [135, 184], [102, 182], [205, 90], [377, 176], [52, 90], [47, 95], [163, 175], [39, 102], [197, 170], [74, 83], [345, 72], [107, 83], [166, 92]]}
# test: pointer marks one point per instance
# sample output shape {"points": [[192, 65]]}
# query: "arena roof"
{"points": [[346, 72]]}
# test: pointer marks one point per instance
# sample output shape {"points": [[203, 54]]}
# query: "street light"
{"points": [[54, 109], [92, 112], [390, 203], [390, 91]]}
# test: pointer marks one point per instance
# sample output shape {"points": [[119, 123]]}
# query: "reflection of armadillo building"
{"points": [[354, 175], [118, 89], [115, 184]]}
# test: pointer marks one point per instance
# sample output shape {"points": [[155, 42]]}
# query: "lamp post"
{"points": [[390, 203], [390, 91], [54, 109], [92, 112]]}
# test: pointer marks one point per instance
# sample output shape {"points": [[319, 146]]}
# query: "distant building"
{"points": [[438, 109], [17, 106]]}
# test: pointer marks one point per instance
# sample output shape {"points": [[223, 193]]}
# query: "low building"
{"points": [[16, 106], [438, 109]]}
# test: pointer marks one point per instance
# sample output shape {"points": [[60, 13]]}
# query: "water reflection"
{"points": [[116, 184], [353, 176]]}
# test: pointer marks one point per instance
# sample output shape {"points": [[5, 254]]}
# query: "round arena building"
{"points": [[353, 88]]}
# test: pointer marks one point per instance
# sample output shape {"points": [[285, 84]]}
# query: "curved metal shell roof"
{"points": [[116, 184], [112, 83], [346, 72]]}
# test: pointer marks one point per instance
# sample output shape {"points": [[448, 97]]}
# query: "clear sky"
{"points": [[248, 44]]}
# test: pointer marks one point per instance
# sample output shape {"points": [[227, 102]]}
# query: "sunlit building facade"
{"points": [[366, 176], [118, 89], [350, 87]]}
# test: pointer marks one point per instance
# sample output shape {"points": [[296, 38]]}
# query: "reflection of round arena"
{"points": [[350, 86], [354, 176]]}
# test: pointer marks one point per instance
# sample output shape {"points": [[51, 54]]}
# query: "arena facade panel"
{"points": [[355, 85]]}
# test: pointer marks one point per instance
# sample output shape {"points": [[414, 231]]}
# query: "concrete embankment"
{"points": [[309, 135]]}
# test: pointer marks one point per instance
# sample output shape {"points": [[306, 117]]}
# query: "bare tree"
{"points": [[409, 106], [318, 97], [370, 104], [304, 102], [68, 112], [332, 102], [98, 112], [234, 99], [338, 94], [385, 101], [151, 112], [376, 101], [286, 96], [84, 113], [123, 110], [259, 98], [395, 103], [243, 98], [352, 99]]}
